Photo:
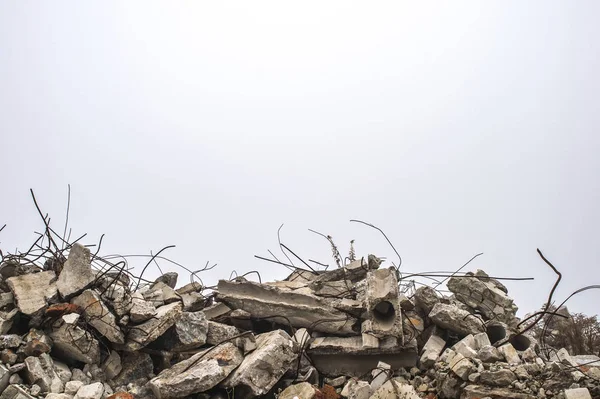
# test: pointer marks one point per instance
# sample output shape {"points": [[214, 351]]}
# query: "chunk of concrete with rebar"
{"points": [[383, 303], [286, 307]]}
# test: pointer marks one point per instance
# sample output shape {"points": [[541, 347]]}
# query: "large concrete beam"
{"points": [[286, 307], [336, 356]]}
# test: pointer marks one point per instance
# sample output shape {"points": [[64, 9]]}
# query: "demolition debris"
{"points": [[72, 330]]}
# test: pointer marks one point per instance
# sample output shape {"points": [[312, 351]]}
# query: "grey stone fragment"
{"points": [[72, 387], [33, 291], [141, 310], [92, 391], [142, 334], [35, 390], [431, 350], [112, 365], [261, 369], [134, 366], [79, 375], [498, 378], [199, 373], [454, 319], [489, 354], [118, 298], [510, 354], [188, 332], [97, 314], [218, 333], [481, 340], [76, 274], [15, 392], [336, 382], [169, 278], [192, 301], [6, 320], [63, 371], [72, 343], [6, 298], [466, 346], [425, 299], [300, 310], [10, 341], [302, 390], [40, 371], [577, 393], [462, 366]]}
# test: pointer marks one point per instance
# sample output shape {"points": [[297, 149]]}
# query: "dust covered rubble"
{"points": [[72, 332]]}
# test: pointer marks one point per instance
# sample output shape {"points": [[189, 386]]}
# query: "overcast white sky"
{"points": [[457, 127]]}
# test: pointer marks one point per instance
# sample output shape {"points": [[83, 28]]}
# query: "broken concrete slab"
{"points": [[199, 373], [33, 291], [219, 333], [425, 299], [97, 314], [216, 310], [432, 350], [489, 354], [189, 332], [135, 366], [466, 346], [455, 319], [383, 304], [261, 369], [141, 310], [142, 334], [462, 366], [483, 296], [76, 274], [72, 343], [510, 354], [298, 309], [335, 356]]}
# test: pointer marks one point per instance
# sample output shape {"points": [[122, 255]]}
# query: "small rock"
{"points": [[303, 390], [92, 391], [500, 378], [72, 387]]}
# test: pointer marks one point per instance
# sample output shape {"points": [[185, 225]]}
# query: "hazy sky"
{"points": [[457, 127]]}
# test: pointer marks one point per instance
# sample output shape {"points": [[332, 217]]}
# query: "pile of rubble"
{"points": [[71, 332]]}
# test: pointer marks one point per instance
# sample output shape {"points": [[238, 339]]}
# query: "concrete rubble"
{"points": [[72, 331]]}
